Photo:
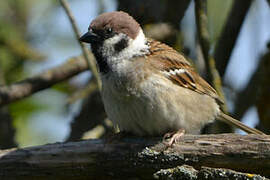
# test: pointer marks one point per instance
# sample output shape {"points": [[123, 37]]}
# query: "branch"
{"points": [[155, 11], [242, 103], [257, 91], [41, 81], [7, 131], [152, 12], [202, 28], [230, 33], [89, 60], [85, 119], [159, 31], [204, 173], [263, 96], [175, 11], [137, 157]]}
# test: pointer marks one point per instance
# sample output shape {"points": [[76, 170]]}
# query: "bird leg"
{"points": [[173, 137]]}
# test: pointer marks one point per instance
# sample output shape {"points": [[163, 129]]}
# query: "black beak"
{"points": [[89, 37]]}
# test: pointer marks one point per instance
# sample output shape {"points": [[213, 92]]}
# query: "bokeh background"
{"points": [[36, 36]]}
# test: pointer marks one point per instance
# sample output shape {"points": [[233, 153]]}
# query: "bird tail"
{"points": [[231, 121]]}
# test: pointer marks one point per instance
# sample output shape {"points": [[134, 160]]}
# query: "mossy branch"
{"points": [[136, 157]]}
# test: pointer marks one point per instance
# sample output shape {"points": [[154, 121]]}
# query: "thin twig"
{"points": [[90, 62], [202, 24], [42, 81], [230, 33]]}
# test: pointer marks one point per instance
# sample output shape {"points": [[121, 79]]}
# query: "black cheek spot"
{"points": [[122, 44]]}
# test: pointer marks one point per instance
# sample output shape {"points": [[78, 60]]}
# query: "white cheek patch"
{"points": [[118, 60], [139, 43], [113, 40], [108, 45], [137, 46]]}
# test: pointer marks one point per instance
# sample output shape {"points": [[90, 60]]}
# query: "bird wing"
{"points": [[177, 69]]}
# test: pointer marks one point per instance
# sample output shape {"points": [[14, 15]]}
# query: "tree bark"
{"points": [[205, 173], [87, 120], [136, 157]]}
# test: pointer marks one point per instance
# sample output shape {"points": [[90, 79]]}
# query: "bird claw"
{"points": [[173, 137]]}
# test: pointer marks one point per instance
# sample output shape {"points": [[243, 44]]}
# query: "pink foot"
{"points": [[173, 137]]}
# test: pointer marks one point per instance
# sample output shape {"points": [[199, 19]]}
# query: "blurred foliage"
{"points": [[65, 87], [216, 17], [17, 54], [21, 112], [15, 50]]}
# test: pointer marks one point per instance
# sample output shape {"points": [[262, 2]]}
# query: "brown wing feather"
{"points": [[178, 69]]}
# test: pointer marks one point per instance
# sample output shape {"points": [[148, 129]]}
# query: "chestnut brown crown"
{"points": [[118, 21]]}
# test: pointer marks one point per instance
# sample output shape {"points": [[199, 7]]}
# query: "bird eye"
{"points": [[109, 30], [90, 30]]}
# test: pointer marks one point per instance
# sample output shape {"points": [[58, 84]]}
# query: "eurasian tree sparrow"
{"points": [[148, 88]]}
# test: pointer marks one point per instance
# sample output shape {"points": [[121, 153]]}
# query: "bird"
{"points": [[148, 88]]}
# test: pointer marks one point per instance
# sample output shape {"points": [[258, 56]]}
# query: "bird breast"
{"points": [[149, 105]]}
